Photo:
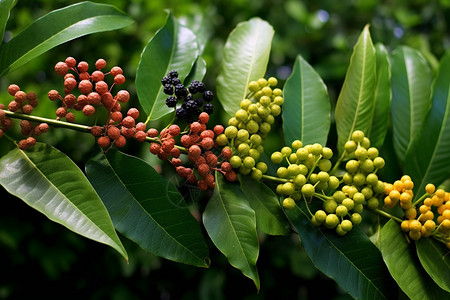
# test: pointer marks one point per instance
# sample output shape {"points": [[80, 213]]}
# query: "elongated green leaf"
{"points": [[351, 260], [231, 224], [5, 8], [355, 102], [380, 117], [51, 183], [306, 108], [404, 266], [146, 208], [174, 47], [58, 27], [245, 58], [411, 81], [201, 25], [435, 259], [429, 154], [269, 215], [198, 71]]}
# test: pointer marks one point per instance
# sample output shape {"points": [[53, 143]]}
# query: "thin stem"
{"points": [[387, 215], [53, 122], [336, 165], [424, 196], [274, 179]]}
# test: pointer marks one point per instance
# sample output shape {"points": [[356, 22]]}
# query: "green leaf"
{"points": [[306, 108], [380, 116], [269, 215], [5, 8], [355, 102], [58, 27], [435, 259], [411, 81], [245, 58], [147, 208], [198, 71], [428, 156], [47, 180], [201, 25], [174, 47], [231, 224], [351, 260], [404, 266]]}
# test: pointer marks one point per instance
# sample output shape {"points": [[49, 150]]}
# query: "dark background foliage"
{"points": [[44, 259]]}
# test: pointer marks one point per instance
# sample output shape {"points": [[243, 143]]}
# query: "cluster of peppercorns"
{"points": [[25, 103], [194, 98], [247, 130], [93, 91]]}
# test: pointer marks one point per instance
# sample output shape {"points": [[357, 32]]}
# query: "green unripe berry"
{"points": [[321, 186], [303, 169], [248, 162], [308, 190], [331, 221], [231, 132], [272, 81], [279, 189], [253, 86], [361, 153], [253, 108], [350, 146], [302, 153], [379, 187], [262, 82], [270, 119], [327, 153], [256, 174], [278, 100], [263, 111], [296, 196], [242, 125], [276, 157], [299, 180], [367, 165], [309, 162], [260, 148], [323, 176], [359, 198], [320, 216], [288, 188], [347, 178], [349, 203], [222, 139], [243, 149], [286, 151], [244, 171], [242, 135], [292, 158], [325, 165], [372, 152], [254, 153], [235, 161], [233, 122], [277, 92], [352, 166], [314, 178], [267, 91], [282, 172], [356, 218], [346, 225], [255, 140], [333, 182], [265, 127], [367, 192], [341, 210], [314, 222], [288, 203], [275, 110], [358, 208], [339, 196], [330, 206], [252, 126], [245, 104], [373, 203], [365, 143], [262, 166], [358, 136], [359, 179], [316, 149], [372, 179], [378, 162], [265, 100], [340, 231], [351, 191], [297, 144], [293, 170]]}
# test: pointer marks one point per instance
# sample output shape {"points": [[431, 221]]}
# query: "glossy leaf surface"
{"points": [[58, 27], [351, 260], [355, 102], [173, 47], [245, 58], [5, 8], [231, 224], [306, 108], [147, 208], [411, 82], [48, 181]]}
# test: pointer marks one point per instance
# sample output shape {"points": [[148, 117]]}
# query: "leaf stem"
{"points": [[387, 215], [274, 179], [336, 165], [421, 199]]}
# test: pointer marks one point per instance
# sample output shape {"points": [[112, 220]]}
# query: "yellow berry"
{"points": [[415, 225], [446, 214], [408, 184], [430, 188], [411, 213], [428, 202], [288, 203], [446, 224], [415, 235], [424, 209], [405, 225], [405, 178], [430, 225]]}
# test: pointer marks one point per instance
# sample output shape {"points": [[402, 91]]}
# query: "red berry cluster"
{"points": [[93, 89], [25, 103]]}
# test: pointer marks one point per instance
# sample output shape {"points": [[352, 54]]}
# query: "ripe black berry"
{"points": [[180, 90], [173, 74], [208, 96], [208, 108], [181, 113], [166, 80], [168, 89], [199, 102], [171, 101], [176, 81], [194, 87]]}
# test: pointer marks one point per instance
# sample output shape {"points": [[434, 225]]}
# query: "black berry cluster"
{"points": [[195, 97]]}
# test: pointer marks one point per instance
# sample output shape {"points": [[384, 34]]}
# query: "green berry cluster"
{"points": [[306, 171], [249, 127]]}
